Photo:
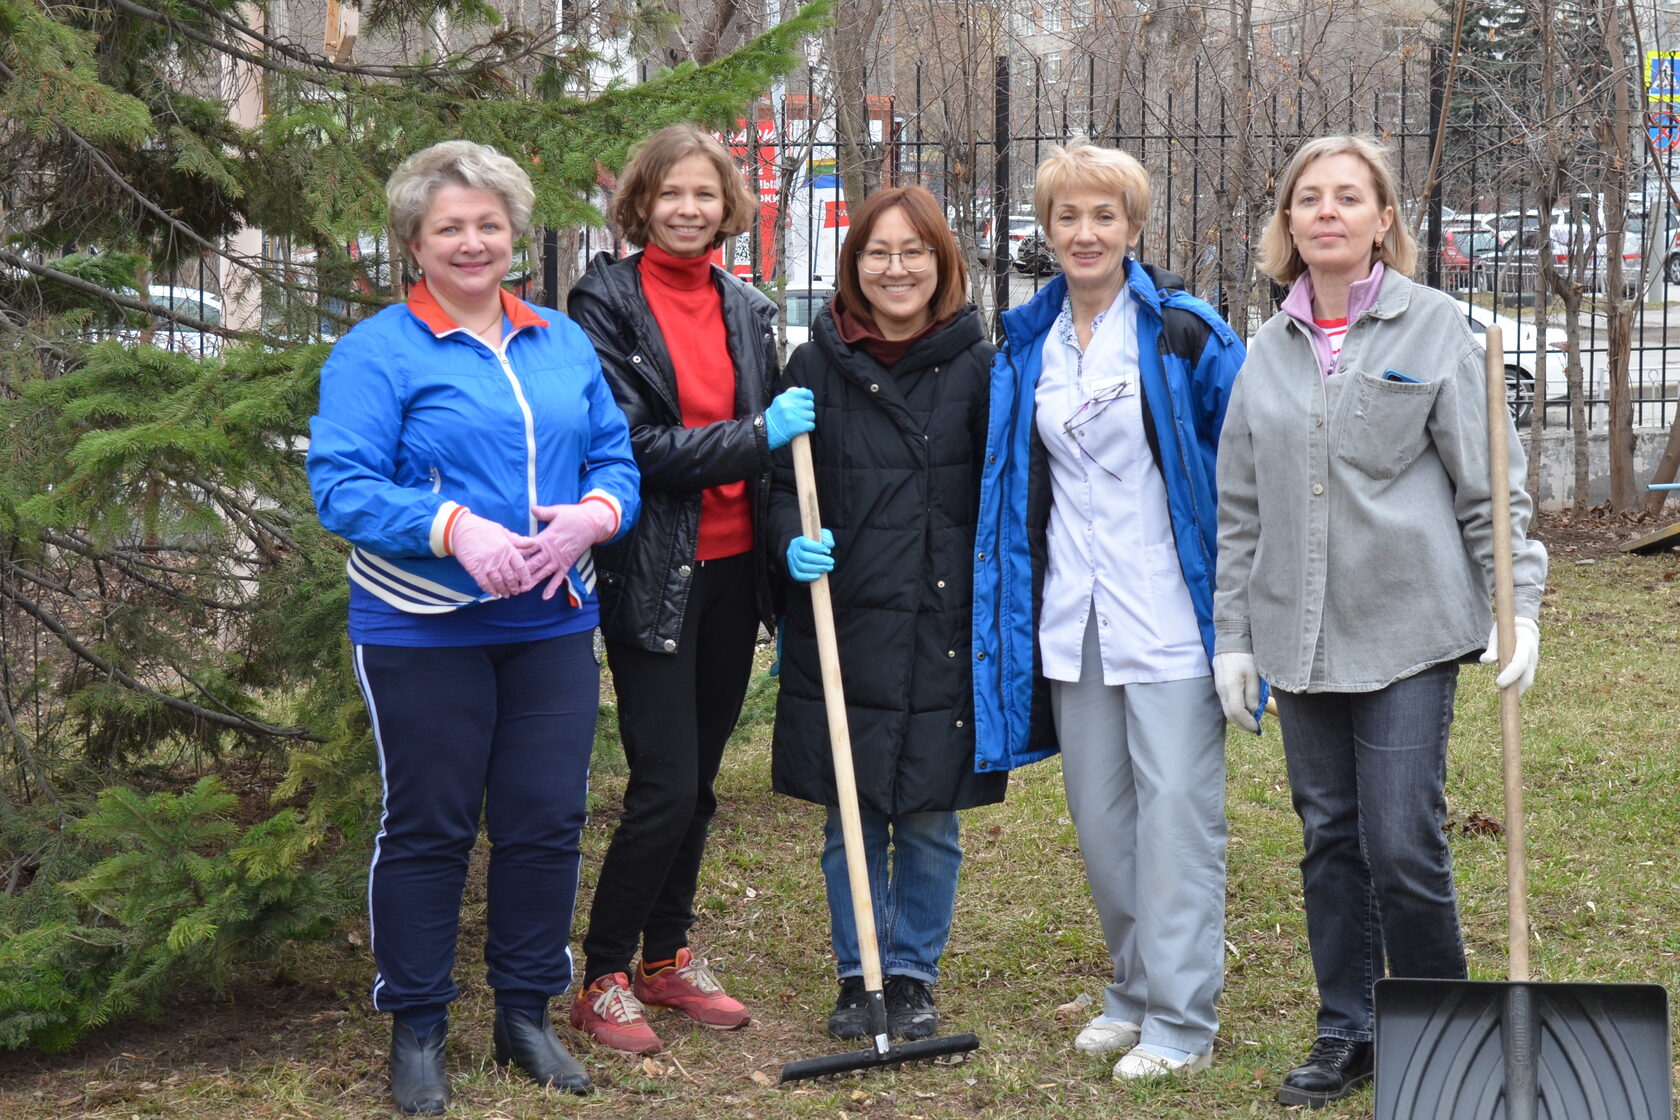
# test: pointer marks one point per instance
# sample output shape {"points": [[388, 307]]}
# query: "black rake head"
{"points": [[925, 1050]]}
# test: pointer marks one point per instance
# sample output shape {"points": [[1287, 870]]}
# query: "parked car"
{"points": [[1461, 246], [1021, 227], [1525, 355], [1035, 258], [803, 307]]}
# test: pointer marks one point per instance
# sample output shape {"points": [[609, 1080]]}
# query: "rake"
{"points": [[881, 1052]]}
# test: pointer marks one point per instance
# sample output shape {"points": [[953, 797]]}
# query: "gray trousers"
{"points": [[1144, 767]]}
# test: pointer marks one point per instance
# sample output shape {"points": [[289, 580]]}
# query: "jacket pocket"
{"points": [[1385, 426]]}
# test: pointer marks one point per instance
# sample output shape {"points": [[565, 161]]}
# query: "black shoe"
{"points": [[418, 1084], [850, 1018], [531, 1045], [910, 1011], [1334, 1068]]}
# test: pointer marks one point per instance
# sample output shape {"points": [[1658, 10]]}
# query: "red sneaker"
{"points": [[689, 986], [608, 1013]]}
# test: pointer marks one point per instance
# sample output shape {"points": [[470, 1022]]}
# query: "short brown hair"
{"points": [[652, 160], [1277, 256], [921, 210]]}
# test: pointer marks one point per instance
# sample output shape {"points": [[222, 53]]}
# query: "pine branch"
{"points": [[238, 723]]}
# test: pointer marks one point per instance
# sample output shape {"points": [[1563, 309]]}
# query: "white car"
{"points": [[1525, 354], [803, 307]]}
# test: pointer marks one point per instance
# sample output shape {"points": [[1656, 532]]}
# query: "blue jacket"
{"points": [[1189, 358], [418, 418]]}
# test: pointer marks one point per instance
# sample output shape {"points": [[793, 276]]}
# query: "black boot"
{"points": [[531, 1045], [1334, 1068], [418, 1084]]}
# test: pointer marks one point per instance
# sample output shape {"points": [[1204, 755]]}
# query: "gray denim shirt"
{"points": [[1355, 522]]}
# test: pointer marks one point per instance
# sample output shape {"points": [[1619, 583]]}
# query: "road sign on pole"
{"points": [[1664, 129], [1662, 75]]}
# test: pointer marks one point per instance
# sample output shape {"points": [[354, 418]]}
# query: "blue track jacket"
{"points": [[1185, 406], [419, 417]]}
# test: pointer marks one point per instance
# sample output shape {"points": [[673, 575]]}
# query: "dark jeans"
{"points": [[506, 729], [675, 713], [1368, 772]]}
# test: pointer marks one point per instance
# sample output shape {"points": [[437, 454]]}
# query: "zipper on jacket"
{"points": [[530, 438], [437, 479]]}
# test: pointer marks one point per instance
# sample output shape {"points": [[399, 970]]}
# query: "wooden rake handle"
{"points": [[839, 732], [1505, 614]]}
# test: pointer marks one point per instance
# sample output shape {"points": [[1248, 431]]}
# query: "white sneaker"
{"points": [[1107, 1036], [1139, 1064]]}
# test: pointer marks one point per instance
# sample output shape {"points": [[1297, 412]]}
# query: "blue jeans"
{"points": [[913, 898], [1367, 772]]}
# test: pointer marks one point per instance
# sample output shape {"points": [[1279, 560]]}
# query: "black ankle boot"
{"points": [[418, 1084], [1334, 1068], [531, 1045]]}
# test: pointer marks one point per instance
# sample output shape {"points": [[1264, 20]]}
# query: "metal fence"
{"points": [[1213, 165]]}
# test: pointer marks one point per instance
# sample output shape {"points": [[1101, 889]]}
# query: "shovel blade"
{"points": [[1493, 1050]]}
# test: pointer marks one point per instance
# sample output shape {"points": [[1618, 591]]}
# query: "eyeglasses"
{"points": [[1094, 406], [877, 261]]}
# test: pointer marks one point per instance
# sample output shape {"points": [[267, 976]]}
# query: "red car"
{"points": [[1460, 246]]}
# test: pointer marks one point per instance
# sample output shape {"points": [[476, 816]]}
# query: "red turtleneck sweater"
{"points": [[689, 311]]}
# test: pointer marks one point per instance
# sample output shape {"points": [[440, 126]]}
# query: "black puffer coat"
{"points": [[898, 455], [643, 579]]}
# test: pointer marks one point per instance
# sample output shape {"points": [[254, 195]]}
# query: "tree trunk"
{"points": [[1614, 135], [851, 45], [1236, 270]]}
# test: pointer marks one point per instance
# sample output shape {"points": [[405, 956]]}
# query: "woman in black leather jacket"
{"points": [[688, 351]]}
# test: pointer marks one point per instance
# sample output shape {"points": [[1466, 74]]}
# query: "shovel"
{"points": [[1516, 1050], [881, 1053]]}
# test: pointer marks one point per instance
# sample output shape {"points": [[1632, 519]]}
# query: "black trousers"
{"points": [[675, 713], [504, 729]]}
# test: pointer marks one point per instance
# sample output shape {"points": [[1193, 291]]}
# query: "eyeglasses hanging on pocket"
{"points": [[1103, 394]]}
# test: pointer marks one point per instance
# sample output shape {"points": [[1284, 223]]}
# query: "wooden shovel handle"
{"points": [[1505, 613], [839, 732]]}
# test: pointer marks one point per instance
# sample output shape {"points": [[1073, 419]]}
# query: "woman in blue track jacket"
{"points": [[469, 449]]}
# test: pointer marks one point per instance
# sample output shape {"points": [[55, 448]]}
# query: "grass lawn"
{"points": [[1602, 752]]}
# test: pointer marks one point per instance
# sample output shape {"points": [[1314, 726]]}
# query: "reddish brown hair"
{"points": [[921, 210], [652, 160]]}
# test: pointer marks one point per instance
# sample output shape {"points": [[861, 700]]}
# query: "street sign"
{"points": [[1664, 129], [1662, 75]]}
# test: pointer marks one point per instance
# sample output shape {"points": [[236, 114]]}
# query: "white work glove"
{"points": [[1238, 684], [1523, 659]]}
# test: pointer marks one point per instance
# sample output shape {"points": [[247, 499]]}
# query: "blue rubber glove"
{"points": [[792, 413], [807, 559]]}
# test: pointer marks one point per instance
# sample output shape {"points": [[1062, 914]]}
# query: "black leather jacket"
{"points": [[643, 578]]}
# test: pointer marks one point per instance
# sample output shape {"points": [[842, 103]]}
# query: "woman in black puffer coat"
{"points": [[899, 368]]}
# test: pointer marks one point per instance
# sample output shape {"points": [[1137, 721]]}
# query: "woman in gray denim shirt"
{"points": [[1354, 572]]}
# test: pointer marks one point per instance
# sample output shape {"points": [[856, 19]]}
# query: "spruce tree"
{"points": [[169, 607]]}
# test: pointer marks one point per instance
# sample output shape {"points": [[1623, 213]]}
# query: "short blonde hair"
{"points": [[652, 160], [1082, 165], [417, 179], [1277, 256]]}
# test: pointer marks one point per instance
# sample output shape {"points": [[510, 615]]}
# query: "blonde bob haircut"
{"points": [[1278, 257], [1083, 166], [416, 181], [652, 160]]}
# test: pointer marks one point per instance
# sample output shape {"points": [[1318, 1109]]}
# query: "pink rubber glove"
{"points": [[492, 555], [570, 531]]}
